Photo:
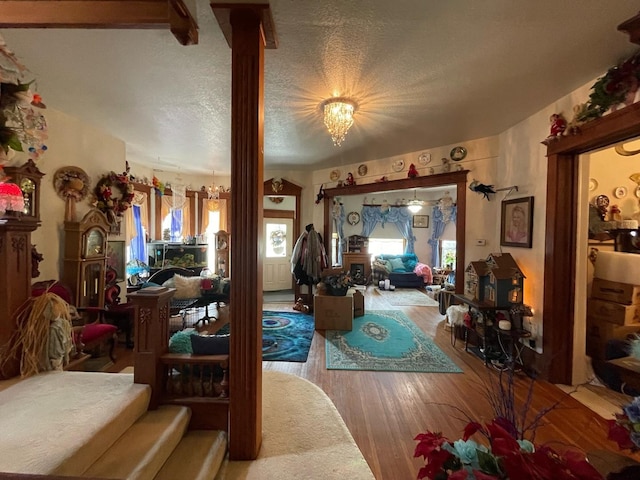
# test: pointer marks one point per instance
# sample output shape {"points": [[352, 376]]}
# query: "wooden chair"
{"points": [[122, 315]]}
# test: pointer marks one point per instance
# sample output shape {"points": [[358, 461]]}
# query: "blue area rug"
{"points": [[286, 336], [385, 340]]}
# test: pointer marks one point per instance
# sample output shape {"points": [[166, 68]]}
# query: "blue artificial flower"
{"points": [[635, 438], [633, 410], [466, 451], [526, 446]]}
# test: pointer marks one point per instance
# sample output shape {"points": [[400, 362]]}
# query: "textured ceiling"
{"points": [[425, 73]]}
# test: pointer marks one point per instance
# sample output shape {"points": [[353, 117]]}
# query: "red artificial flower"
{"points": [[619, 434], [470, 430], [427, 443], [580, 467], [435, 462], [461, 474], [502, 442], [482, 476]]}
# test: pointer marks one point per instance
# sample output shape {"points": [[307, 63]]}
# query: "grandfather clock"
{"points": [[85, 258], [15, 246]]}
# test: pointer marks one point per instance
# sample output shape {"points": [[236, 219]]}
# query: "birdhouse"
{"points": [[505, 283], [476, 276]]}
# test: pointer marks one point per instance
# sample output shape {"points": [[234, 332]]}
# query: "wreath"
{"points": [[112, 205], [277, 238]]}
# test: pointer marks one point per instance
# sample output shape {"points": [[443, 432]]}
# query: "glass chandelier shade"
{"points": [[10, 198], [213, 192], [415, 205], [338, 117]]}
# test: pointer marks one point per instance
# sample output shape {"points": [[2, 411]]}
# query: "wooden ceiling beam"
{"points": [[89, 14]]}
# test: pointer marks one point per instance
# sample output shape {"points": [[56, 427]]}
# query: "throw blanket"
{"points": [[424, 271]]}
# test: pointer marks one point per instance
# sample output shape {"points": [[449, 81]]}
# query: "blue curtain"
{"points": [[176, 224], [338, 218], [399, 216], [439, 223], [138, 245]]}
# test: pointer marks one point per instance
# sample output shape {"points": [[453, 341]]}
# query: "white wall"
{"points": [[71, 143], [523, 162]]}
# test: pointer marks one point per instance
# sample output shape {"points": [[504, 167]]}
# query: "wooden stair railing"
{"points": [[201, 383], [197, 381]]}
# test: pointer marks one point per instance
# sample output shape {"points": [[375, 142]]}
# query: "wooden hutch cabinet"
{"points": [[85, 258]]}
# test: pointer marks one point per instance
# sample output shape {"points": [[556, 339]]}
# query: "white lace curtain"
{"points": [[166, 207], [140, 199]]}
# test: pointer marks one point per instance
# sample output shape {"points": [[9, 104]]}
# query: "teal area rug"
{"points": [[286, 336], [385, 340]]}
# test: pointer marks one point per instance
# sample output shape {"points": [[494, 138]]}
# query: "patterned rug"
{"points": [[286, 336], [407, 296], [385, 340]]}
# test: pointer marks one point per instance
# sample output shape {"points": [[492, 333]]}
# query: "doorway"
{"points": [[276, 267]]}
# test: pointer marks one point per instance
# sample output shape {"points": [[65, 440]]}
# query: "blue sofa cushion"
{"points": [[397, 265], [409, 261]]}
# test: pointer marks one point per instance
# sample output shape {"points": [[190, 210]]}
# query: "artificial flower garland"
{"points": [[106, 202]]}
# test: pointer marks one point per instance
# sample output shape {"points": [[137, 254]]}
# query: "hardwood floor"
{"points": [[385, 410]]}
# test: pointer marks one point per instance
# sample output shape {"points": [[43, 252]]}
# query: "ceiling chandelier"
{"points": [[213, 191], [338, 117], [415, 205]]}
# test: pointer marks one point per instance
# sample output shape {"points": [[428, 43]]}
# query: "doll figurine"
{"points": [[350, 180], [558, 125], [413, 172]]}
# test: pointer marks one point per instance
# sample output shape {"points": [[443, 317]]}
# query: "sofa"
{"points": [[402, 270]]}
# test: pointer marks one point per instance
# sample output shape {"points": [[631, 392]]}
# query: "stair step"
{"points": [[205, 449], [60, 423], [142, 450]]}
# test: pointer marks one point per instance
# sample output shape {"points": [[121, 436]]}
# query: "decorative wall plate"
{"points": [[334, 175], [424, 158], [638, 191], [353, 218], [362, 170], [593, 184], [620, 192], [398, 165], [458, 153]]}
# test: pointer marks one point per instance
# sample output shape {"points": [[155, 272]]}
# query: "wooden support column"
{"points": [[243, 26]]}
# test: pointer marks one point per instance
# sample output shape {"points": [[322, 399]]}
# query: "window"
{"points": [[172, 225], [334, 248], [392, 246], [448, 254], [212, 227], [276, 240]]}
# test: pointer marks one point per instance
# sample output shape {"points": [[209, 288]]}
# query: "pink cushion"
{"points": [[93, 331], [423, 271]]}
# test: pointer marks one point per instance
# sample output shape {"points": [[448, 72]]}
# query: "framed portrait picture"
{"points": [[421, 221], [516, 224], [116, 258]]}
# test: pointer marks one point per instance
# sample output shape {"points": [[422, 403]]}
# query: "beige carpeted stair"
{"points": [[97, 425], [62, 422], [205, 451], [142, 450]]}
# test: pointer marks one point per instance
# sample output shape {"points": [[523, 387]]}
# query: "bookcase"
{"points": [[357, 244]]}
